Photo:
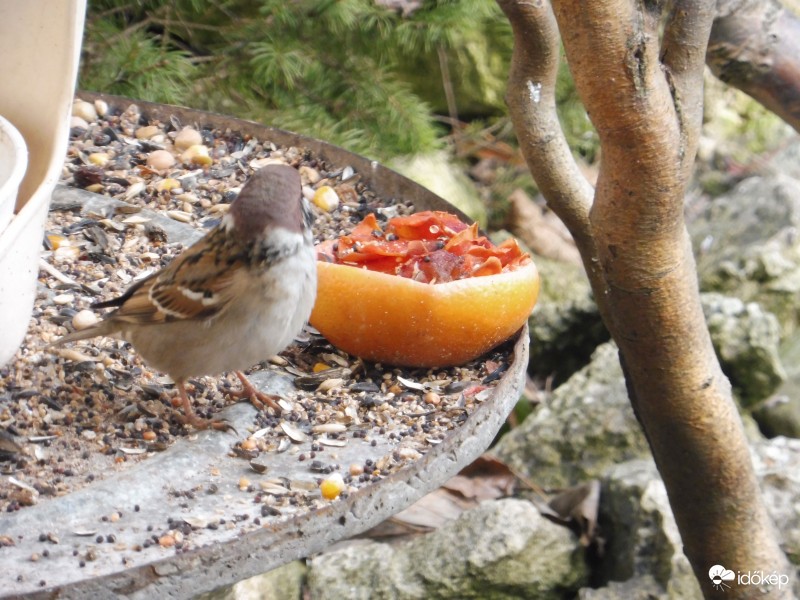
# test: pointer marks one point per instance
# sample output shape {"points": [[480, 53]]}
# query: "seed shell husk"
{"points": [[295, 434]]}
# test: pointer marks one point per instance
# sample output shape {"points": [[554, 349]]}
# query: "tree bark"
{"points": [[643, 93], [755, 47]]}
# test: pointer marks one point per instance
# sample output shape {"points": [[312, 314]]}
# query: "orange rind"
{"points": [[429, 291], [394, 320]]}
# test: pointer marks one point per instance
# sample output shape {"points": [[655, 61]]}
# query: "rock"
{"points": [[435, 172], [780, 414], [563, 336], [588, 424], [736, 127], [586, 427], [561, 282], [642, 538], [777, 465], [285, 582], [643, 549], [746, 340], [787, 160], [565, 326], [501, 549], [747, 245], [638, 588]]}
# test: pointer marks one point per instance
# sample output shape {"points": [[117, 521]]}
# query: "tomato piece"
{"points": [[325, 251], [365, 228], [426, 225], [463, 240], [429, 247], [443, 266], [491, 266], [383, 248]]}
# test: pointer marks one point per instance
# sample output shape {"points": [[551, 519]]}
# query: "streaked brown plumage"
{"points": [[234, 298]]}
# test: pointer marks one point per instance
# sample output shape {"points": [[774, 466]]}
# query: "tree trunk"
{"points": [[643, 93]]}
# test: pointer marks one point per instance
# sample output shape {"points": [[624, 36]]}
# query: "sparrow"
{"points": [[234, 298]]}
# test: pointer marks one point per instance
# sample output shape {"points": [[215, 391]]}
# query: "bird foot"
{"points": [[200, 423], [256, 397], [190, 418]]}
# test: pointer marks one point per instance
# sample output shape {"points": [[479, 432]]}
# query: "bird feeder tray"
{"points": [[196, 516]]}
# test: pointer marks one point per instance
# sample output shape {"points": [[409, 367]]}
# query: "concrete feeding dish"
{"points": [[198, 512]]}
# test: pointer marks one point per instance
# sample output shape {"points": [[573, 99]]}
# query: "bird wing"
{"points": [[198, 285]]}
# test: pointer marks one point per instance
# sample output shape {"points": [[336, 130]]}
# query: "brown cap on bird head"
{"points": [[271, 197]]}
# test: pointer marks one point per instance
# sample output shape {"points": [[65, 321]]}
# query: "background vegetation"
{"points": [[383, 78], [358, 73]]}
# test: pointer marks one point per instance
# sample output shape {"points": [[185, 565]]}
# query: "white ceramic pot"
{"points": [[40, 42]]}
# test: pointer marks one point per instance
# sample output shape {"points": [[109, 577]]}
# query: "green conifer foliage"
{"points": [[331, 69], [133, 62], [368, 75]]}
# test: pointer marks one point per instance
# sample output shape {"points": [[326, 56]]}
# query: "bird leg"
{"points": [[256, 397], [190, 418]]}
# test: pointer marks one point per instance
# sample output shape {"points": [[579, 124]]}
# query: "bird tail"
{"points": [[99, 329]]}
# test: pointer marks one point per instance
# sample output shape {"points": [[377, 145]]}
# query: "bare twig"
{"points": [[447, 84]]}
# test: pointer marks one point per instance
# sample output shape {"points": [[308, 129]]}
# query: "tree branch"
{"points": [[531, 101], [755, 47], [683, 55]]}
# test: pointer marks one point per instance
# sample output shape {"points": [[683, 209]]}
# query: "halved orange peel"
{"points": [[429, 291]]}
